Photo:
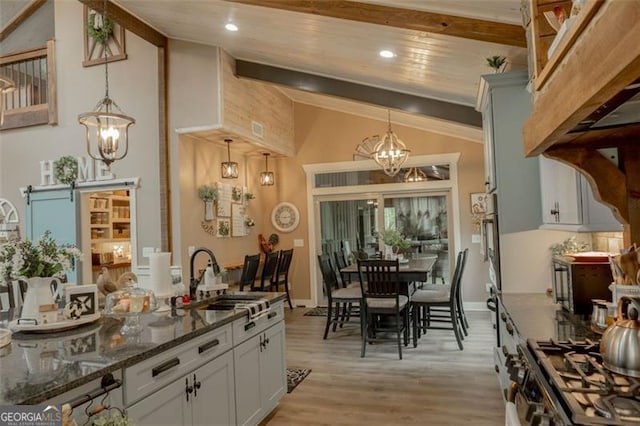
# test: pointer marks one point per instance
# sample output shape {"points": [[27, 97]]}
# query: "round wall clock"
{"points": [[285, 217]]}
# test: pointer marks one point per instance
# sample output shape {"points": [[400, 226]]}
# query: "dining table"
{"points": [[416, 269]]}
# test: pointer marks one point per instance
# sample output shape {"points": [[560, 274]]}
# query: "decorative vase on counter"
{"points": [[208, 211], [38, 293]]}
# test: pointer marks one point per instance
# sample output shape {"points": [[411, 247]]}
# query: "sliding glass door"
{"points": [[423, 220], [351, 224]]}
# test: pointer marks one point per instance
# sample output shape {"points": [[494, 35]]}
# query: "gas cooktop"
{"points": [[581, 389]]}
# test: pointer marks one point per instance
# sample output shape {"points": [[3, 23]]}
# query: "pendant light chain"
{"points": [[106, 61]]}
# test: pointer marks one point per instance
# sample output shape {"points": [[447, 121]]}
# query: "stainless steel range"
{"points": [[565, 383]]}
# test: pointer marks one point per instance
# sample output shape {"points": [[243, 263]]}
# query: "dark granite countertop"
{"points": [[535, 316], [37, 367]]}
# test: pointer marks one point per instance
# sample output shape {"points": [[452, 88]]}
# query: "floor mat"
{"points": [[295, 376], [316, 312]]}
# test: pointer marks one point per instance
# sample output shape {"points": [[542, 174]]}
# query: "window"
{"points": [[33, 101]]}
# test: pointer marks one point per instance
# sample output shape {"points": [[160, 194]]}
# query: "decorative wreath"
{"points": [[65, 169], [100, 34]]}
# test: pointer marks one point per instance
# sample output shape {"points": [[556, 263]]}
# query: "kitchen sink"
{"points": [[218, 306], [227, 302], [240, 297]]}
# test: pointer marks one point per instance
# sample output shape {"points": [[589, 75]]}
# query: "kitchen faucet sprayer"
{"points": [[193, 281]]}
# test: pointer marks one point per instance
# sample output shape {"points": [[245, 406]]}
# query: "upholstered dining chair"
{"points": [[381, 298], [268, 269], [336, 296], [250, 271], [281, 275], [439, 306], [462, 317]]}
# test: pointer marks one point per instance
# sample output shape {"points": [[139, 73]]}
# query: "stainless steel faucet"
{"points": [[193, 281]]}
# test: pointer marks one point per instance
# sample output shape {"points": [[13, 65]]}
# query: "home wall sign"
{"points": [[89, 170]]}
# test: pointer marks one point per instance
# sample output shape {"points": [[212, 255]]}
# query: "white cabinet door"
{"points": [[273, 373], [214, 393], [560, 190], [568, 203], [168, 406], [246, 358]]}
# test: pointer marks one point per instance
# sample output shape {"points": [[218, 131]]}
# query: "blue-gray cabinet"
{"points": [[505, 105]]}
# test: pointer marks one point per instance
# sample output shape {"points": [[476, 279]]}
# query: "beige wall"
{"points": [[132, 84], [325, 136], [200, 165], [321, 136]]}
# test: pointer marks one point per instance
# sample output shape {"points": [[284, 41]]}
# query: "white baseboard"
{"points": [[301, 302]]}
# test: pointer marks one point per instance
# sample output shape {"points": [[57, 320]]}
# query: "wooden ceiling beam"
{"points": [[417, 20], [436, 108], [128, 21], [14, 23]]}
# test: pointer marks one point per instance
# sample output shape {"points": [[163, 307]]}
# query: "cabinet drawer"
{"points": [[244, 329], [149, 375]]}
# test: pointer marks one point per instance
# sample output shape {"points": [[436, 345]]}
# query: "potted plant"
{"points": [[396, 241], [496, 62], [208, 194], [39, 263]]}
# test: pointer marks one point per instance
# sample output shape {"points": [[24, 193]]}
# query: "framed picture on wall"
{"points": [[236, 194], [478, 203], [478, 209], [224, 228]]}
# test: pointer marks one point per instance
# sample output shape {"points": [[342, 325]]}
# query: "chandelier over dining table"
{"points": [[390, 152]]}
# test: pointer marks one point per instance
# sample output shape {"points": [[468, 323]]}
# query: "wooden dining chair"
{"points": [[341, 262], [281, 275], [439, 306], [381, 298], [268, 269], [250, 271], [337, 297]]}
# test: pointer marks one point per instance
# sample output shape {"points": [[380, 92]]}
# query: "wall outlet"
{"points": [[298, 243], [190, 250], [488, 287], [146, 251]]}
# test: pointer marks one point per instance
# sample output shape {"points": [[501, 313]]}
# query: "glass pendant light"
{"points": [[266, 178], [109, 124], [390, 152], [229, 168]]}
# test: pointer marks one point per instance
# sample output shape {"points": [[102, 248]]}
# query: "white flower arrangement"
{"points": [[208, 193], [42, 258]]}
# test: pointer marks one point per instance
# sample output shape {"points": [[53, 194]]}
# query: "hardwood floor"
{"points": [[435, 383]]}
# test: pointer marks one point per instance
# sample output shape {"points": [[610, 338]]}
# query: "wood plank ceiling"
{"points": [[427, 64]]}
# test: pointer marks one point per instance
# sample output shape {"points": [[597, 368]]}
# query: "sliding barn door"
{"points": [[57, 212]]}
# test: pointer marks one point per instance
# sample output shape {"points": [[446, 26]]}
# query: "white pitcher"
{"points": [[38, 293]]}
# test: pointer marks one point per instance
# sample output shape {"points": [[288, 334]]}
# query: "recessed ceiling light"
{"points": [[231, 27], [387, 54]]}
